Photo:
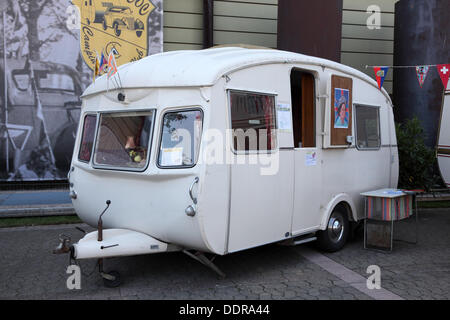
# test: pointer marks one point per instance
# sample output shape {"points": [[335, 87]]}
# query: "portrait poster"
{"points": [[340, 122], [341, 108], [47, 54]]}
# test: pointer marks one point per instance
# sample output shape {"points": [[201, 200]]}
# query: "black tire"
{"points": [[117, 31], [88, 21], [139, 33], [334, 237], [105, 26], [113, 283]]}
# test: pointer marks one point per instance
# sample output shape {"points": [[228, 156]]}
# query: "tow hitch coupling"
{"points": [[64, 245]]}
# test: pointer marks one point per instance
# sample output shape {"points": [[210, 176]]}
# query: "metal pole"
{"points": [[208, 23], [6, 93]]}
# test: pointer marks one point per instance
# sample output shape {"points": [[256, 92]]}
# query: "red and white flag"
{"points": [[112, 65], [444, 72]]}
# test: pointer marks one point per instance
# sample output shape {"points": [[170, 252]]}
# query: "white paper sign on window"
{"points": [[172, 157], [284, 118]]}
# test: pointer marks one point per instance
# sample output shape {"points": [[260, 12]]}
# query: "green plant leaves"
{"points": [[417, 161]]}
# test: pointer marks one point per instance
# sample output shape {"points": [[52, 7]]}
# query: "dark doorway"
{"points": [[303, 113]]}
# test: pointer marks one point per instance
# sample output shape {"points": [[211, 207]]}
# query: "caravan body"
{"points": [[169, 142], [443, 148]]}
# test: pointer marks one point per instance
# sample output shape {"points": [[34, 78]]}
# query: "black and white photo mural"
{"points": [[47, 52]]}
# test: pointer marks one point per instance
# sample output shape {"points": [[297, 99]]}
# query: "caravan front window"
{"points": [[87, 139], [123, 140], [180, 140]]}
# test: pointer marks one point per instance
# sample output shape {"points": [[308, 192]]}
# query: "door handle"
{"points": [[196, 180]]}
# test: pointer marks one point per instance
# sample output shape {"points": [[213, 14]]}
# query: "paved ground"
{"points": [[29, 271]]}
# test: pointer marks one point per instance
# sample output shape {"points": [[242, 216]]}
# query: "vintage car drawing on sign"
{"points": [[119, 18], [124, 23], [90, 14]]}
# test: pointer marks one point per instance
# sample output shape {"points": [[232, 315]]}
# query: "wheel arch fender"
{"points": [[341, 199]]}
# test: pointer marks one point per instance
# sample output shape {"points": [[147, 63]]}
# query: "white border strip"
{"points": [[352, 278]]}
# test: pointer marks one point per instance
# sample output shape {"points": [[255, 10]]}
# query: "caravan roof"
{"points": [[196, 68]]}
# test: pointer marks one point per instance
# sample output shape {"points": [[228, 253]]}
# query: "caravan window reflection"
{"points": [[123, 140], [180, 141], [253, 121], [87, 140], [367, 127]]}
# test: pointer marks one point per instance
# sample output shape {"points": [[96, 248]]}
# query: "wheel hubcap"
{"points": [[335, 228]]}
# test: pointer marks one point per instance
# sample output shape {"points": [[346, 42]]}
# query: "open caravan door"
{"points": [[443, 149]]}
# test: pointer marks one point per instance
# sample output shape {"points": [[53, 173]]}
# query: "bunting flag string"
{"points": [[380, 75], [444, 73], [421, 72]]}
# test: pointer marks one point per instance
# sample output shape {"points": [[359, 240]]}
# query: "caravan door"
{"points": [[308, 164], [261, 175]]}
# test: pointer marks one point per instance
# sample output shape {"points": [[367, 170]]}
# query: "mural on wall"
{"points": [[46, 63]]}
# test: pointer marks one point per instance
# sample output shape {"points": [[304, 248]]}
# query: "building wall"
{"points": [[255, 22], [235, 21], [361, 46], [183, 24], [246, 21], [311, 27]]}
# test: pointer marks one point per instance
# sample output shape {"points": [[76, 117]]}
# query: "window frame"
{"points": [[150, 143], [82, 134], [275, 115], [161, 135], [378, 108]]}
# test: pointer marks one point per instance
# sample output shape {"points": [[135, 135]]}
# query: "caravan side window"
{"points": [[180, 140], [253, 121], [367, 127]]}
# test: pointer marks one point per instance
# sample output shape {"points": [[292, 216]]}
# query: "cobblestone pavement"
{"points": [[28, 270], [419, 271]]}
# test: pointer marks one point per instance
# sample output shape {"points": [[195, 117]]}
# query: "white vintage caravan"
{"points": [[443, 147], [168, 143]]}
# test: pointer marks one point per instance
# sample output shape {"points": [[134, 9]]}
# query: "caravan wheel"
{"points": [[334, 237]]}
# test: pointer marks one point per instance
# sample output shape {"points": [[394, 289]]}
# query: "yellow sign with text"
{"points": [[119, 26]]}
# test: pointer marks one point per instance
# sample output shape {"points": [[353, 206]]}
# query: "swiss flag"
{"points": [[444, 72]]}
